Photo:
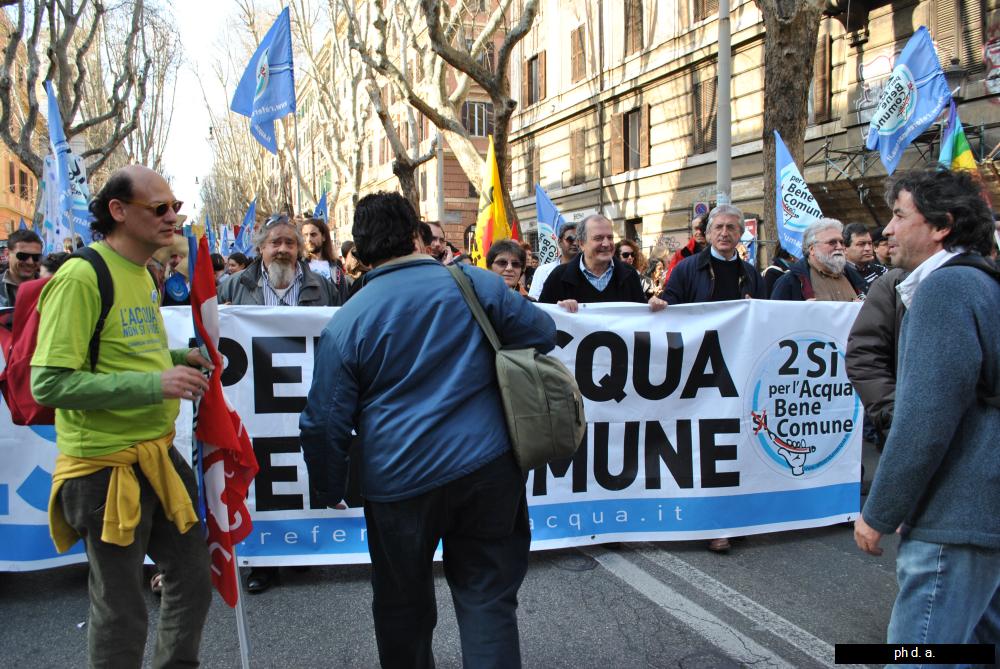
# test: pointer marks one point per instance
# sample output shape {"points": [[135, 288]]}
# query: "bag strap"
{"points": [[106, 287], [469, 293]]}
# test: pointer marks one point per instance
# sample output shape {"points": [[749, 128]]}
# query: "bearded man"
{"points": [[824, 273]]}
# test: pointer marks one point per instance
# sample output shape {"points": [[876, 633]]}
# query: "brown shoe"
{"points": [[719, 545]]}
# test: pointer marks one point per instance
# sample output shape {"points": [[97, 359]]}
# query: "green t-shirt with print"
{"points": [[133, 342]]}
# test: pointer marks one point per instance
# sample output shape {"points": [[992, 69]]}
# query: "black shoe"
{"points": [[261, 578]]}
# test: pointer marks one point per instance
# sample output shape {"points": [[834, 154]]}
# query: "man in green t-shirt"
{"points": [[119, 484]]}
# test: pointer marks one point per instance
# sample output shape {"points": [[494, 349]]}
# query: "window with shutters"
{"points": [[821, 88], [966, 44], [631, 134], [633, 26], [477, 118], [704, 9], [703, 106], [577, 156], [578, 54], [23, 184], [532, 169], [630, 140], [533, 79]]}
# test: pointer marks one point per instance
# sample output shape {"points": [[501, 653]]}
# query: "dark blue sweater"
{"points": [[940, 471]]}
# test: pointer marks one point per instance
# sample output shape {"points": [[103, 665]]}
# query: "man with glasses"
{"points": [[25, 248], [568, 249], [860, 252], [824, 273], [119, 484]]}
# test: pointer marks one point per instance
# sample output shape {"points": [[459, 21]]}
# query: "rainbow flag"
{"points": [[491, 223], [955, 150]]}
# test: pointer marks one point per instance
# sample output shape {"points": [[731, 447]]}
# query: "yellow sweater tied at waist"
{"points": [[122, 509]]}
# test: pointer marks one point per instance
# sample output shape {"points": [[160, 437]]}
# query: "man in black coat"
{"points": [[595, 275], [717, 273]]}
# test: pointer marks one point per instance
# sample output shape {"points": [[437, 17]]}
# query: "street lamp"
{"points": [[955, 75]]}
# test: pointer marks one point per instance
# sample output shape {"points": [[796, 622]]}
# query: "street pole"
{"points": [[723, 116]]}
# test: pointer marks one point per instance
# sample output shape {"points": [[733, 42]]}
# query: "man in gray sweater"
{"points": [[939, 478]]}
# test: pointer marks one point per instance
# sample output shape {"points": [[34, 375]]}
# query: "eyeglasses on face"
{"points": [[569, 238], [502, 263], [158, 208], [24, 255], [832, 243]]}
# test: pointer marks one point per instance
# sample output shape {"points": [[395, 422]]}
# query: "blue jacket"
{"points": [[694, 281], [405, 364], [940, 471], [796, 284]]}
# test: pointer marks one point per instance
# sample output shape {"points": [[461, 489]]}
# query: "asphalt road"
{"points": [[777, 600]]}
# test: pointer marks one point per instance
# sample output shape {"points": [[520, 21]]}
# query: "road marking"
{"points": [[789, 632], [737, 646]]}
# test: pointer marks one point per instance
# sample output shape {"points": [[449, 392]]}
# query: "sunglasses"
{"points": [[24, 255], [158, 208], [628, 254], [503, 264], [569, 238]]}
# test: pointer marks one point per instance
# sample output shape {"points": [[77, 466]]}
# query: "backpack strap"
{"points": [[469, 293], [106, 287]]}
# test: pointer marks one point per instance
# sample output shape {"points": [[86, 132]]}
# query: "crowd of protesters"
{"points": [[434, 484]]}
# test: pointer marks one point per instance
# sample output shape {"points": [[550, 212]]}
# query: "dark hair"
{"points": [[118, 187], [218, 262], [54, 261], [345, 248], [852, 230], [22, 237], [426, 234], [565, 227], [782, 253], [702, 223], [939, 192], [506, 246], [878, 235], [326, 251], [384, 227], [240, 259]]}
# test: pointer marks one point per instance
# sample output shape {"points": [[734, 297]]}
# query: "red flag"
{"points": [[228, 463]]}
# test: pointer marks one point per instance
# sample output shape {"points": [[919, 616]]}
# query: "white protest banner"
{"points": [[705, 420]]}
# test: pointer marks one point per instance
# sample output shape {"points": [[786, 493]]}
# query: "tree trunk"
{"points": [[790, 31], [406, 172]]}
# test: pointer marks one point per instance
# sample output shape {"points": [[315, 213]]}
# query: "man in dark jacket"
{"points": [[717, 273], [824, 273], [278, 277], [405, 364], [595, 275], [25, 258]]}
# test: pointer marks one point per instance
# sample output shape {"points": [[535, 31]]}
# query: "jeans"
{"points": [[482, 521], [117, 627], [947, 594]]}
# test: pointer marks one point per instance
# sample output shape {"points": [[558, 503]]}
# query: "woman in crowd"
{"points": [[237, 262], [655, 274], [507, 258], [630, 253]]}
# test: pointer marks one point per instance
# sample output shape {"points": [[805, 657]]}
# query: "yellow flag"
{"points": [[491, 223]]}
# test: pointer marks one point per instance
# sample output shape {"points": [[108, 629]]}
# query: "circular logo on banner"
{"points": [[897, 103], [801, 406], [263, 74]]}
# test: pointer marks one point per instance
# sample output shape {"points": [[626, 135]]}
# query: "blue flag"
{"points": [[212, 248], [66, 191], [225, 247], [23, 226], [913, 98], [320, 210], [244, 240], [795, 207], [266, 91], [550, 221]]}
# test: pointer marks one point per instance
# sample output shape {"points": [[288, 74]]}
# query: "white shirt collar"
{"points": [[908, 287], [719, 256]]}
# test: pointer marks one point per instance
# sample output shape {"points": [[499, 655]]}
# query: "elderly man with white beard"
{"points": [[823, 274], [278, 277]]}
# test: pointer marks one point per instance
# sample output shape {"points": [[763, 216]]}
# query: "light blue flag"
{"points": [[210, 232], [69, 193], [225, 248], [320, 210], [913, 98], [244, 240], [266, 91], [23, 226], [795, 206], [550, 221]]}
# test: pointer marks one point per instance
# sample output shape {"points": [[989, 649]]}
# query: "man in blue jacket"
{"points": [[938, 481], [405, 364]]}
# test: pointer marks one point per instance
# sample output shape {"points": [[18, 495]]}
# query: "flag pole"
{"points": [[241, 618]]}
